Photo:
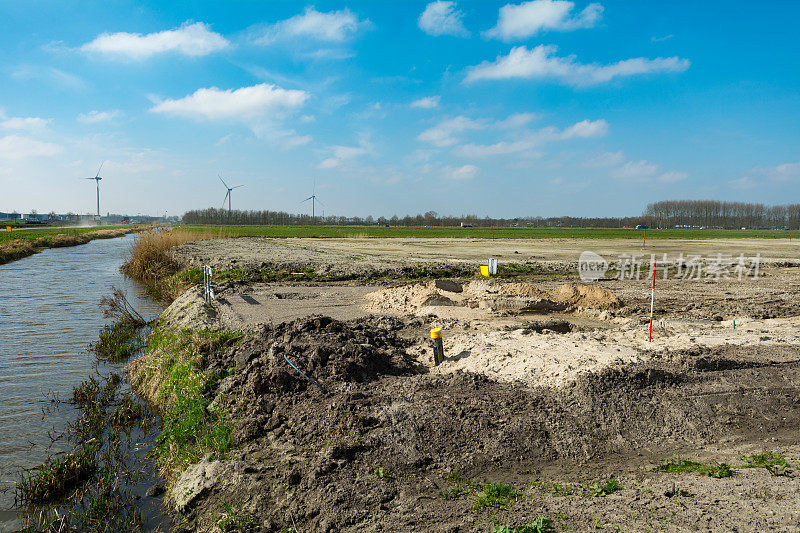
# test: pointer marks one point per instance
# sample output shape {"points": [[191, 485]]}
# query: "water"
{"points": [[49, 314]]}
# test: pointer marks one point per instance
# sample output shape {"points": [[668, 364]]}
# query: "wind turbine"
{"points": [[97, 179], [313, 199], [227, 194]]}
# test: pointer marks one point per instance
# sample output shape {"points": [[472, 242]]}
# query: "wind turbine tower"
{"points": [[97, 179], [228, 194], [313, 199]]}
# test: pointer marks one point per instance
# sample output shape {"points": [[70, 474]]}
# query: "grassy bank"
{"points": [[174, 379], [18, 244], [480, 233]]}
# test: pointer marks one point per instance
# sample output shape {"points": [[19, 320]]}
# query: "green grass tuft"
{"points": [[676, 465], [774, 462], [542, 524], [495, 496], [604, 489]]}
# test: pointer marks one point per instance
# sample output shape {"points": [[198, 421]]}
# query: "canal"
{"points": [[49, 314]]}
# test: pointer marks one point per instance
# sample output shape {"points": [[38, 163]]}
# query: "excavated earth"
{"points": [[548, 399]]}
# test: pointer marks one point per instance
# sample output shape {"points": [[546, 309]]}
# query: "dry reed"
{"points": [[151, 261]]}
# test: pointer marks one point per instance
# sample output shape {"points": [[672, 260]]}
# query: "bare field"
{"points": [[549, 386]]}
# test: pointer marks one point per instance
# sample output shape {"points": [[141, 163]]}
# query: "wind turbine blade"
{"points": [[307, 199], [98, 170], [226, 198], [223, 181], [237, 187]]}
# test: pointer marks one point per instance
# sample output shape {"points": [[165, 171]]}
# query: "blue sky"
{"points": [[536, 108]]}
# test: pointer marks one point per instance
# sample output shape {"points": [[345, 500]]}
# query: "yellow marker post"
{"points": [[8, 228], [644, 238], [438, 347], [485, 271]]}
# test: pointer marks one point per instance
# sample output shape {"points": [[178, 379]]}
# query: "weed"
{"points": [[542, 524], [233, 519], [118, 342], [117, 307], [677, 465], [604, 489], [555, 489], [380, 472], [496, 496], [774, 462], [58, 476], [459, 485]]}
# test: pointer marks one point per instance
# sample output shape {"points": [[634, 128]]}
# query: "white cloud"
{"points": [[583, 129], [342, 154], [49, 75], [541, 63], [521, 21], [443, 134], [429, 102], [643, 170], [742, 183], [18, 147], [190, 39], [517, 120], [442, 18], [244, 104], [23, 123], [464, 172], [607, 159], [656, 39], [95, 116], [335, 26], [773, 174]]}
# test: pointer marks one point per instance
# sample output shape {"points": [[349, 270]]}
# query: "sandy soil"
{"points": [[545, 381]]}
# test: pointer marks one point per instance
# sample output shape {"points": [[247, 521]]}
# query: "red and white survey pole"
{"points": [[652, 299]]}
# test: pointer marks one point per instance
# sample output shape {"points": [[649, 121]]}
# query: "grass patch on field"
{"points": [[774, 462], [440, 232], [542, 524], [676, 465], [459, 485], [610, 486], [495, 496], [22, 243], [175, 377]]}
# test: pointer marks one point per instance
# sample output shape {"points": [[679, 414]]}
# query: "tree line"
{"points": [[716, 214], [664, 214]]}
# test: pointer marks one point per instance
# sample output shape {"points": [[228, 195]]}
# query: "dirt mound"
{"points": [[411, 447], [407, 298], [189, 310], [585, 296], [522, 289], [327, 350]]}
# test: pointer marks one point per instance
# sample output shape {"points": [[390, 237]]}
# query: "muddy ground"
{"points": [[546, 400]]}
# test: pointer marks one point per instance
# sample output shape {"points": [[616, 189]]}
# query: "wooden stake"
{"points": [[652, 299]]}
